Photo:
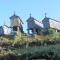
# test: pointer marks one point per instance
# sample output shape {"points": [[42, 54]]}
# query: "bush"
{"points": [[5, 42], [7, 55]]}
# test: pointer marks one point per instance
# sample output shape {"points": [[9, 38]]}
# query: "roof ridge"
{"points": [[38, 21], [55, 20]]}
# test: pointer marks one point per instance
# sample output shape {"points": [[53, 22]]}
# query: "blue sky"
{"points": [[23, 8]]}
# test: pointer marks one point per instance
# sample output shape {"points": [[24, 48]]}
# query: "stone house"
{"points": [[4, 30], [51, 23], [16, 23], [34, 26]]}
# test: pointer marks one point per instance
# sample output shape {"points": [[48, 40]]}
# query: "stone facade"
{"points": [[4, 30], [51, 23], [36, 27], [16, 23]]}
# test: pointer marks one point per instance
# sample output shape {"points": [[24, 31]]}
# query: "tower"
{"points": [[16, 23]]}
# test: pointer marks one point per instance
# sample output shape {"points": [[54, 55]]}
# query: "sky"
{"points": [[23, 8]]}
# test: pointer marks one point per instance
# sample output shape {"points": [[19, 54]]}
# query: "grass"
{"points": [[55, 48], [22, 39], [36, 51]]}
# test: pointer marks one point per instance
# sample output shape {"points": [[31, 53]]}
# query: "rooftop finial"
{"points": [[30, 14], [45, 15], [14, 12], [4, 23]]}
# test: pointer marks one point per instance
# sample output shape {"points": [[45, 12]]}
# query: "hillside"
{"points": [[23, 45]]}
